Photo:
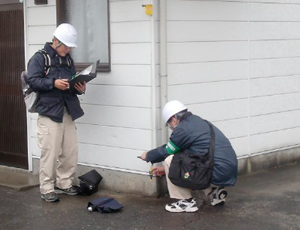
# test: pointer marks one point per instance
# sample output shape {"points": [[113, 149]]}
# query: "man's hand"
{"points": [[61, 84], [159, 171], [144, 155], [80, 87]]}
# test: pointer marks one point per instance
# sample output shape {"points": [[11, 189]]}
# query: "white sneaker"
{"points": [[182, 206], [217, 196]]}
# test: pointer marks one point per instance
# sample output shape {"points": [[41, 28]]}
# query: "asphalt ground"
{"points": [[264, 200]]}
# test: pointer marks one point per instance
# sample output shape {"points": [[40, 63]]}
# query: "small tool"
{"points": [[151, 172]]}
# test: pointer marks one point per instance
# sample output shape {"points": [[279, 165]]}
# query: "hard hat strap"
{"points": [[59, 44]]}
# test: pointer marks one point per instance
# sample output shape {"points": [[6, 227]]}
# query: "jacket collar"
{"points": [[52, 52], [187, 114]]}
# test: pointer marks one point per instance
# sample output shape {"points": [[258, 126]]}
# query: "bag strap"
{"points": [[48, 64], [212, 141], [47, 60]]}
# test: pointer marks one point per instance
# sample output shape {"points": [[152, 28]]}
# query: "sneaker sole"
{"points": [[62, 192], [192, 210], [50, 201], [181, 210], [218, 204]]}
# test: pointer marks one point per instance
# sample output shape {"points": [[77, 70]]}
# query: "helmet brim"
{"points": [[72, 45]]}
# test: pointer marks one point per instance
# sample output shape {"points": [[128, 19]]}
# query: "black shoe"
{"points": [[50, 197]]}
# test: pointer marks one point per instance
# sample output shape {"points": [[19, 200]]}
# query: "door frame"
{"points": [[7, 5]]}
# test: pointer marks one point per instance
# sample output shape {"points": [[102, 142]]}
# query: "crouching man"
{"points": [[192, 133]]}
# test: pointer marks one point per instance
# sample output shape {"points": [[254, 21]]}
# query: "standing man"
{"points": [[58, 107], [192, 133]]}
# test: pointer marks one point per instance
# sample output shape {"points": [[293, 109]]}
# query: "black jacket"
{"points": [[193, 134], [52, 101]]}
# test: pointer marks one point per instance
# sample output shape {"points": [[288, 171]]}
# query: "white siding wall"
{"points": [[232, 62], [236, 63], [116, 127]]}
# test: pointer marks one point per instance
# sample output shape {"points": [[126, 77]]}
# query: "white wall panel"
{"points": [[139, 53], [105, 156], [273, 30], [40, 34], [125, 11], [40, 16], [125, 75], [208, 92], [276, 1], [274, 12], [117, 96], [240, 146], [35, 149], [207, 51], [274, 140], [130, 32], [179, 31], [274, 104], [233, 128], [32, 49], [274, 49], [274, 67], [111, 156], [207, 10], [274, 122], [136, 139], [275, 85], [126, 117], [253, 46], [108, 136], [207, 72], [221, 110]]}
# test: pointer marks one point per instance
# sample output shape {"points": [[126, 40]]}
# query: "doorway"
{"points": [[13, 121]]}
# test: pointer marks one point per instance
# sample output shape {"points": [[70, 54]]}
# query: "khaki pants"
{"points": [[59, 152], [175, 191]]}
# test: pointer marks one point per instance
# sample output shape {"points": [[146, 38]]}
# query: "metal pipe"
{"points": [[163, 66], [153, 82]]}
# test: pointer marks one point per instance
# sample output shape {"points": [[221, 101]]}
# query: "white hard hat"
{"points": [[67, 34], [171, 108]]}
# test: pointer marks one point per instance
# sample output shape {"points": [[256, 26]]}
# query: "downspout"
{"points": [[153, 82], [29, 128], [163, 67]]}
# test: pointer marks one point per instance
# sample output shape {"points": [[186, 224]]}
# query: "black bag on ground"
{"points": [[89, 183], [188, 170]]}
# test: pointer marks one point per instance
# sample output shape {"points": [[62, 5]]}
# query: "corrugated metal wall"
{"points": [[13, 131]]}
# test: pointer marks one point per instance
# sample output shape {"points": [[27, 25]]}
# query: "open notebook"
{"points": [[86, 75]]}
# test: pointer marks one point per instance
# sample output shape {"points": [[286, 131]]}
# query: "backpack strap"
{"points": [[69, 60], [48, 64], [47, 60]]}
